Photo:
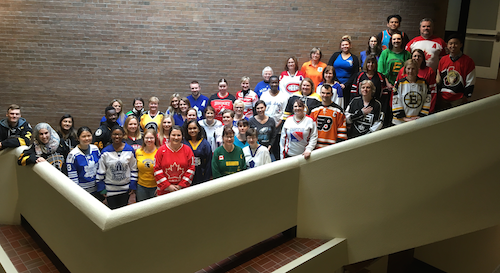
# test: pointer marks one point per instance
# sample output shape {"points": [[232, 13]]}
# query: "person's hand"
{"points": [[131, 192], [342, 85], [306, 154], [367, 110], [40, 159], [173, 188], [269, 148], [0, 145]]}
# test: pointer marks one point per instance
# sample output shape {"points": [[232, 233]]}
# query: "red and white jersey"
{"points": [[290, 83], [298, 136], [173, 168], [249, 100], [221, 103], [457, 77], [433, 48]]}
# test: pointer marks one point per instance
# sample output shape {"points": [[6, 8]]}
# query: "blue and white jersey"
{"points": [[199, 104], [82, 168], [117, 172], [261, 88]]}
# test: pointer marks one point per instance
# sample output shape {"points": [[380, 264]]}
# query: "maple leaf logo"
{"points": [[427, 55], [175, 172]]}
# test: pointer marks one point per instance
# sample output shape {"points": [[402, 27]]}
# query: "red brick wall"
{"points": [[74, 56]]}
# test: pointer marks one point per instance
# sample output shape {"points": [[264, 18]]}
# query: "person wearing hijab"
{"points": [[46, 146]]}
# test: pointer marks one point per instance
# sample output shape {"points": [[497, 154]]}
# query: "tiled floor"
{"points": [[23, 251]]}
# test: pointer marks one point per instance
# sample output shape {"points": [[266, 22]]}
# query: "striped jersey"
{"points": [[331, 124]]}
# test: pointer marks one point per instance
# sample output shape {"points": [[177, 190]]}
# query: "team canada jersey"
{"points": [[410, 100], [457, 77], [433, 48], [221, 103], [249, 100], [298, 136], [331, 124], [174, 167], [290, 83]]}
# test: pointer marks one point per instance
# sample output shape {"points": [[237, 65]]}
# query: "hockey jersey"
{"points": [[433, 48], [457, 77], [410, 100], [82, 168], [338, 93], [16, 136], [221, 103], [146, 168], [331, 124], [298, 136], [312, 101], [249, 99], [256, 158], [290, 83], [363, 124], [174, 167], [151, 122], [117, 172]]}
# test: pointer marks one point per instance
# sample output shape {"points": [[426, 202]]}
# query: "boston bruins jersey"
{"points": [[410, 100]]}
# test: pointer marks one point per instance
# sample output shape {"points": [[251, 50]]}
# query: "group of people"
{"points": [[306, 107]]}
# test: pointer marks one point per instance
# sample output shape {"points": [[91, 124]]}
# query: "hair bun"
{"points": [[346, 38]]}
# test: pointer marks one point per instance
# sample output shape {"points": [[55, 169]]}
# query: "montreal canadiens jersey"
{"points": [[290, 83]]}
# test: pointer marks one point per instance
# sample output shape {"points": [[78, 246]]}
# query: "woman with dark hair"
{"points": [[117, 172], [292, 76], [82, 162], [210, 124], [330, 78], [132, 133], [221, 100], [364, 112], [67, 132], [146, 183], [138, 109], [391, 60], [264, 125], [228, 158], [118, 105], [255, 154], [240, 139], [374, 49], [425, 72], [184, 106], [346, 65], [313, 69], [175, 164], [299, 134], [307, 95], [202, 152], [45, 146]]}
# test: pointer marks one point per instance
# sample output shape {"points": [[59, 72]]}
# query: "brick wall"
{"points": [[74, 56]]}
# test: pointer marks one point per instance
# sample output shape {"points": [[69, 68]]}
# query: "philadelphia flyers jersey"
{"points": [[331, 124]]}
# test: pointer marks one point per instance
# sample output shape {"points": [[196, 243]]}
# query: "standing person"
{"points": [[239, 111], [173, 108], [15, 131], [132, 132], [305, 94], [255, 154], [240, 139], [184, 106], [198, 101], [202, 152], [393, 24], [102, 136], [152, 118], [228, 158], [146, 183], [164, 131], [374, 49], [433, 46], [227, 120], [117, 172], [425, 73], [391, 60], [275, 101], [263, 86], [456, 75], [248, 96], [118, 105], [330, 77], [175, 164], [138, 109], [346, 65], [313, 69], [381, 92], [264, 125], [210, 124], [67, 132], [411, 99], [291, 78], [221, 100], [364, 112], [46, 146], [299, 134], [330, 119], [82, 162]]}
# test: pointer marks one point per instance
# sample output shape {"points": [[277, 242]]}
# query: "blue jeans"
{"points": [[142, 193]]}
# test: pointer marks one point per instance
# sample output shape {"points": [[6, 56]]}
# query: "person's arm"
{"points": [[98, 138], [354, 72], [72, 168], [187, 177], [101, 173], [282, 142], [133, 172], [382, 63], [432, 89], [273, 133], [208, 166], [215, 165], [354, 86], [341, 128], [289, 108], [28, 157], [313, 140], [160, 177], [427, 103], [397, 105], [470, 79], [22, 140]]}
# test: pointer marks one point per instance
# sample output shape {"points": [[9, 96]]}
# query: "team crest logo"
{"points": [[292, 87], [152, 125], [297, 136], [413, 99], [364, 124], [98, 132], [324, 123], [221, 157], [452, 78], [119, 171], [149, 163], [175, 172]]}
